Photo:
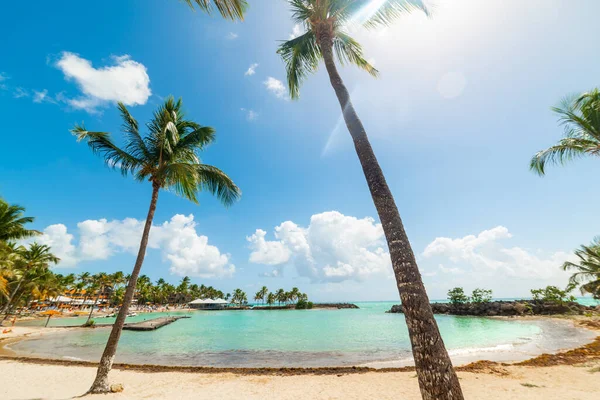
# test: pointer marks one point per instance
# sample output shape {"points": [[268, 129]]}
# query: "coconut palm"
{"points": [[281, 296], [587, 269], [167, 157], [12, 222], [231, 9], [35, 257], [580, 117], [271, 298], [239, 297], [100, 282], [263, 293], [325, 38]]}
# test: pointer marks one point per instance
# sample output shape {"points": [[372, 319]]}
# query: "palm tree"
{"points": [[271, 298], [239, 297], [99, 283], [12, 222], [281, 296], [263, 293], [580, 117], [587, 274], [230, 9], [167, 158], [324, 39], [257, 296], [36, 256]]}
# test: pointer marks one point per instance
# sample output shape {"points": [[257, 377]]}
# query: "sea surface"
{"points": [[365, 336]]}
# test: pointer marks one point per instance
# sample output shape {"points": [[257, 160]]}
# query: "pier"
{"points": [[152, 324]]}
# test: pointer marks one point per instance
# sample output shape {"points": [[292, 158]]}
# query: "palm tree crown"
{"points": [[167, 155], [587, 268], [580, 117], [230, 9], [325, 23], [12, 222]]}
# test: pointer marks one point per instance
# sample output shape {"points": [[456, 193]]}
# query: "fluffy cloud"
{"points": [[484, 257], [126, 81], [251, 70], [187, 252], [334, 247], [276, 87]]}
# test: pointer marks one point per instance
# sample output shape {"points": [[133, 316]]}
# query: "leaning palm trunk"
{"points": [[100, 384], [93, 305], [437, 379]]}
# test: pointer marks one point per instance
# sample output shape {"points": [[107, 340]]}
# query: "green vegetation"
{"points": [[457, 296], [553, 294], [580, 117], [481, 296], [230, 9], [587, 269], [303, 304]]}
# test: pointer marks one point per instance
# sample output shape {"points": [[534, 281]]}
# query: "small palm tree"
{"points": [[587, 275], [12, 222], [325, 38], [230, 9], [167, 157], [271, 298], [580, 117], [100, 282], [263, 293]]}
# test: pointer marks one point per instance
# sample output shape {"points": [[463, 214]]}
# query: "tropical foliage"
{"points": [[230, 9], [553, 294], [586, 274], [457, 296], [12, 222], [580, 117], [481, 295]]}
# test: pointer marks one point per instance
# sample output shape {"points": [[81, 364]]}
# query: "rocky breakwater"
{"points": [[507, 308]]}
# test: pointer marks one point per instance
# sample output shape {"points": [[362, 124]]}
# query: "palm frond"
{"points": [[230, 9], [301, 10], [100, 143], [301, 56], [375, 13], [135, 144], [566, 150], [218, 183], [349, 50], [182, 178]]}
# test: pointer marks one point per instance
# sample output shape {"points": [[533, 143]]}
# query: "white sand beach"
{"points": [[35, 381]]}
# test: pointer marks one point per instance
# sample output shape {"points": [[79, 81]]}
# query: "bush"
{"points": [[304, 305], [457, 296], [553, 294], [481, 296]]}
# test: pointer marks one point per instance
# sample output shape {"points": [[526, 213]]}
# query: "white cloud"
{"points": [[126, 81], [178, 241], [276, 87], [297, 30], [231, 36], [488, 261], [20, 92], [251, 115], [3, 78], [251, 70], [334, 247], [39, 97]]}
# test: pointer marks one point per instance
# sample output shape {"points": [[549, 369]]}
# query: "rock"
{"points": [[116, 388]]}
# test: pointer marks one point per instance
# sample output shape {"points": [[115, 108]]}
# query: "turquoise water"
{"points": [[284, 338]]}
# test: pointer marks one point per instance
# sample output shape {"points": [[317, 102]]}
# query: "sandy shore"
{"points": [[571, 374], [33, 381]]}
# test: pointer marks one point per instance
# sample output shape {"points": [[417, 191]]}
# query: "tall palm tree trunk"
{"points": [[100, 384], [437, 378]]}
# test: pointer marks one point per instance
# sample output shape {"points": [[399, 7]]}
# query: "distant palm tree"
{"points": [[281, 296], [239, 297], [12, 222], [580, 117], [263, 293], [325, 38], [231, 9], [35, 257], [167, 158], [587, 275], [271, 298], [100, 282]]}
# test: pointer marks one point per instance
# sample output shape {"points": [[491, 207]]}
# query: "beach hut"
{"points": [[208, 304]]}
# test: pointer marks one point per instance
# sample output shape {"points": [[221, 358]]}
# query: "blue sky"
{"points": [[462, 103]]}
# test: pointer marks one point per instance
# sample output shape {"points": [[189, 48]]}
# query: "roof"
{"points": [[60, 299], [209, 301]]}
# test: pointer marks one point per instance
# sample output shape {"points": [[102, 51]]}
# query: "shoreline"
{"points": [[581, 323]]}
